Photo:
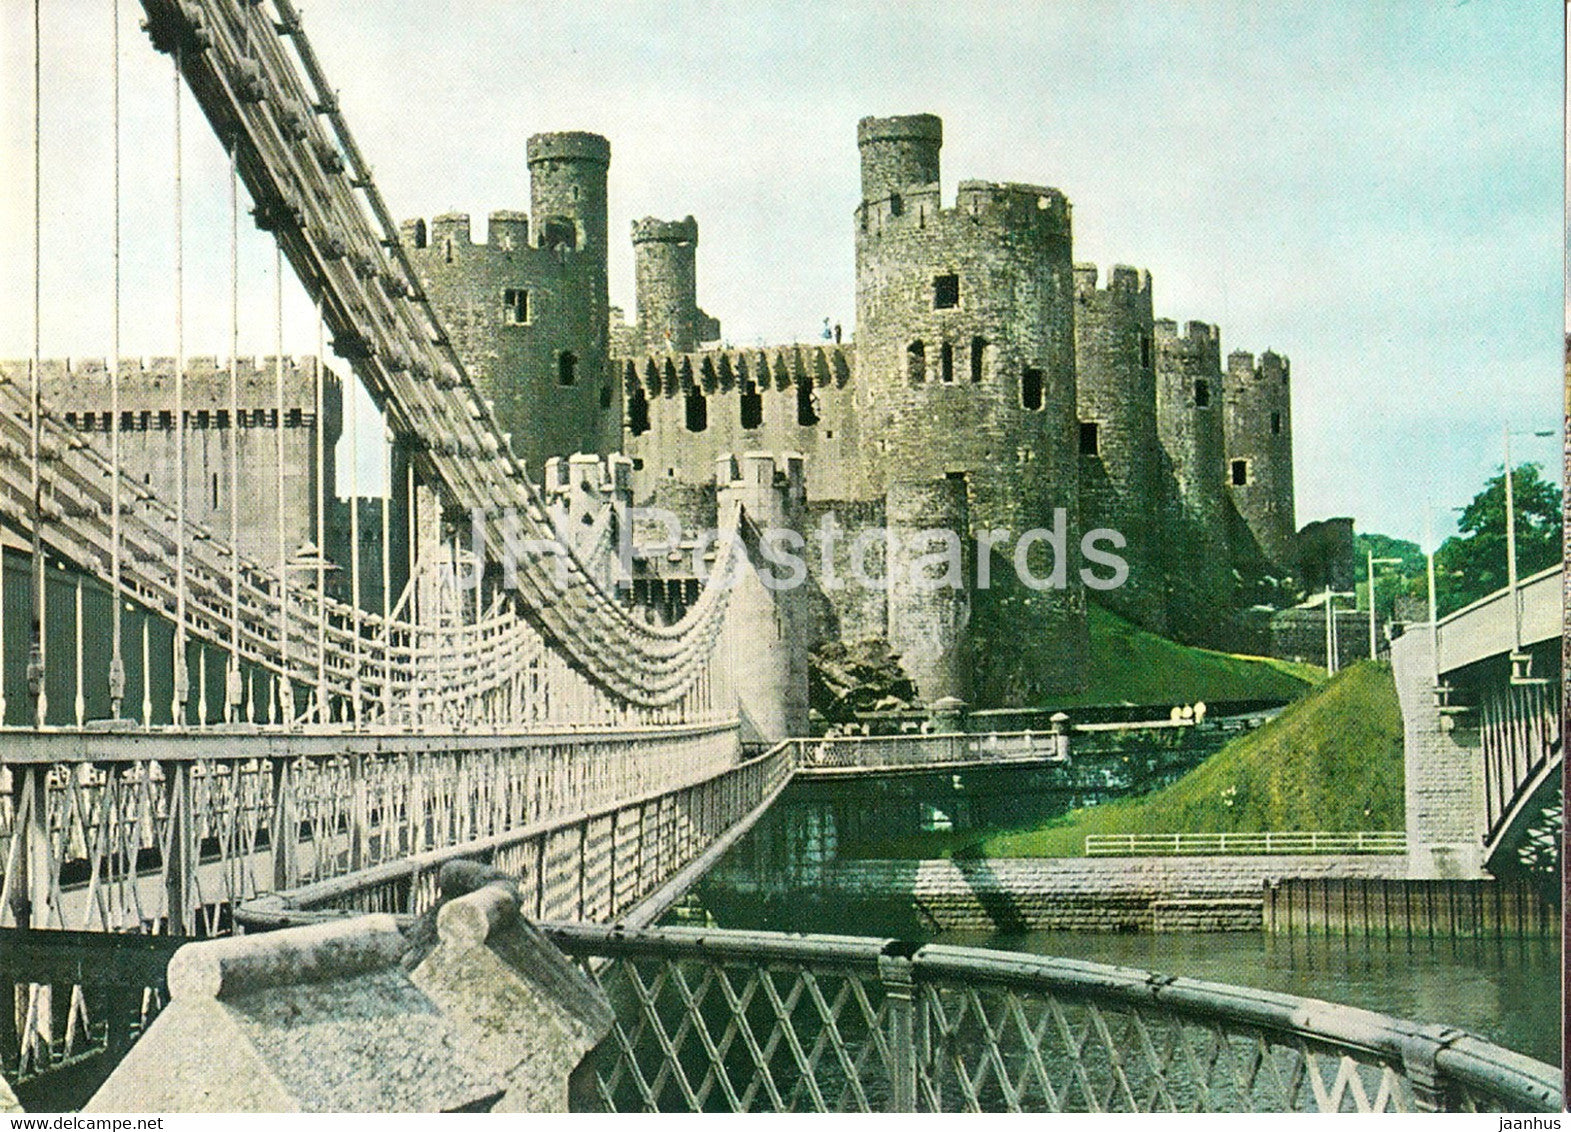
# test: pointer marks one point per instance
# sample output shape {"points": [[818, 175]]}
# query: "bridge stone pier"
{"points": [[1479, 693]]}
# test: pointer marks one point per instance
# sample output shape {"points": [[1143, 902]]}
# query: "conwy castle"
{"points": [[991, 386]]}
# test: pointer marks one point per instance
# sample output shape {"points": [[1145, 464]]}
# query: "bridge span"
{"points": [[1481, 707]]}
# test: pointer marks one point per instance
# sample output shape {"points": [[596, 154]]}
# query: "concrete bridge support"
{"points": [[1443, 770]]}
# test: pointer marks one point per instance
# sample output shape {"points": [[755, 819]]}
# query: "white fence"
{"points": [[1200, 844]]}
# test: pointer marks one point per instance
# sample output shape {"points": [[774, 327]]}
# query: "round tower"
{"points": [[929, 599], [1257, 430], [1196, 556], [665, 254], [965, 365], [898, 152], [1120, 465], [567, 189]]}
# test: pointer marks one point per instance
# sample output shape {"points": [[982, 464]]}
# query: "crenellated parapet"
{"points": [[78, 391], [730, 369]]}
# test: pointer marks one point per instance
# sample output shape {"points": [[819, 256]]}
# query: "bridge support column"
{"points": [[1443, 771]]}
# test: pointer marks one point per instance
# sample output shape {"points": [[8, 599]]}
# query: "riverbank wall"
{"points": [[1141, 894]]}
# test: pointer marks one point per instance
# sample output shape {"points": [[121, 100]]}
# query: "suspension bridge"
{"points": [[198, 727]]}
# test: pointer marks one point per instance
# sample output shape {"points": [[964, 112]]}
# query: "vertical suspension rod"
{"points": [[182, 695], [35, 658], [116, 652], [285, 693]]}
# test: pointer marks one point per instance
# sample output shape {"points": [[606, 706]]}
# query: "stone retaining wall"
{"points": [[1077, 894]]}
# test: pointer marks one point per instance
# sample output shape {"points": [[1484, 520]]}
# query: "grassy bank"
{"points": [[1130, 665], [1331, 761]]}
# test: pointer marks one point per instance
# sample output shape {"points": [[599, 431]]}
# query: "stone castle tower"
{"points": [[965, 359], [1120, 454], [666, 264], [1257, 429], [529, 309], [1189, 423]]}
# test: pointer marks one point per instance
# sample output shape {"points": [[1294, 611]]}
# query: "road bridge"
{"points": [[1480, 692]]}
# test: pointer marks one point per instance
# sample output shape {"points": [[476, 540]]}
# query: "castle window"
{"points": [[559, 233], [166, 419], [897, 206], [605, 396], [1090, 438], [222, 417], [1030, 388], [1202, 393], [204, 419], [1240, 473], [1145, 352], [946, 292], [145, 421], [215, 491], [637, 411], [752, 406], [697, 410], [806, 410], [515, 306], [916, 363], [978, 359], [296, 419], [447, 250], [127, 422], [1276, 424], [566, 368], [946, 363]]}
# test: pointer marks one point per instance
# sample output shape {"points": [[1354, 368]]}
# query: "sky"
{"points": [[1373, 189]]}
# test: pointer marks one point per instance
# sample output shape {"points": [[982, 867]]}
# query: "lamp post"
{"points": [[1373, 562], [1516, 607], [1331, 634]]}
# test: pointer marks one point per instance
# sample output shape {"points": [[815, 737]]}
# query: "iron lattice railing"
{"points": [[752, 1021]]}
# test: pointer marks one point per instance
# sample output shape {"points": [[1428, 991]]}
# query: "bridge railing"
{"points": [[1199, 844], [166, 832], [594, 864], [748, 1021], [873, 752]]}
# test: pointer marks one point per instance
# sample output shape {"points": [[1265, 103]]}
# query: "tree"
{"points": [[1472, 564]]}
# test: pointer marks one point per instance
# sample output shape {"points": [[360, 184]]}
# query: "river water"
{"points": [[1507, 991]]}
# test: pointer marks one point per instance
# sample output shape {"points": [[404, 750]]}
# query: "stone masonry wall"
{"points": [[1120, 468], [1085, 894]]}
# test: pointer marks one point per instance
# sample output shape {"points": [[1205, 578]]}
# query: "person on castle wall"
{"points": [[837, 334], [828, 332]]}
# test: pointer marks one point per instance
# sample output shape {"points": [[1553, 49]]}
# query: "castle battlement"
{"points": [[768, 367], [650, 230], [588, 476], [786, 470], [1121, 280], [983, 211], [570, 145], [206, 376]]}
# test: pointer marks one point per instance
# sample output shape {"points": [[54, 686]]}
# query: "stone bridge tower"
{"points": [[966, 367], [1120, 455], [1257, 427]]}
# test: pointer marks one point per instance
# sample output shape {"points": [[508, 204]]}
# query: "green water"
{"points": [[1505, 990]]}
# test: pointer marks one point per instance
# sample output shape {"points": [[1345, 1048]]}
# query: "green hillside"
{"points": [[1130, 665], [1331, 761]]}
